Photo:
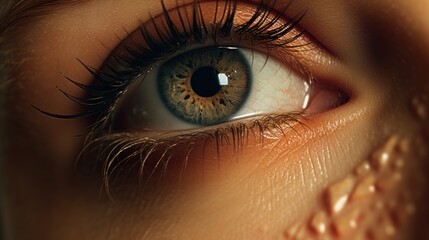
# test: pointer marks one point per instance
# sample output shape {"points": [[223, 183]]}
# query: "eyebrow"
{"points": [[17, 12]]}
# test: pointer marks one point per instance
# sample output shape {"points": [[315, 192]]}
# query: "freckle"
{"points": [[319, 223], [338, 194], [346, 223], [291, 231], [421, 111], [384, 229], [401, 215], [410, 209], [382, 156], [389, 182], [363, 169], [296, 231], [419, 108], [387, 226], [404, 145], [364, 188], [399, 163], [420, 145], [378, 205]]}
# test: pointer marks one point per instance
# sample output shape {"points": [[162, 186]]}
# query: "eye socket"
{"points": [[272, 40], [123, 138], [239, 49]]}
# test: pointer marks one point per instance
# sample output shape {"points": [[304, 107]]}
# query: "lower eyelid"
{"points": [[126, 159], [140, 158]]}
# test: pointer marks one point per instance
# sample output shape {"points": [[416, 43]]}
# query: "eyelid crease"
{"points": [[116, 154]]}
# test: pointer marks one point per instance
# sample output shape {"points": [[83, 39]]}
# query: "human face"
{"points": [[350, 164]]}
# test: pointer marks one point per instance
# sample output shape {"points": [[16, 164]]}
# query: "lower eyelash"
{"points": [[117, 156]]}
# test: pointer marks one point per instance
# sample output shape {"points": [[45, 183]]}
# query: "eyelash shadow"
{"points": [[121, 71], [120, 153]]}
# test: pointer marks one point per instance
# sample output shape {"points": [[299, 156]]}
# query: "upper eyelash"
{"points": [[109, 85]]}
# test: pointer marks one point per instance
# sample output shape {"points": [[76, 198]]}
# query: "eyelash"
{"points": [[119, 155], [103, 95]]}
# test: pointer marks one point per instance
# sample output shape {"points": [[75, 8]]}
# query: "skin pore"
{"points": [[357, 171]]}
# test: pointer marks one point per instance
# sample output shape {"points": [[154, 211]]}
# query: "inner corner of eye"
{"points": [[323, 97], [308, 94]]}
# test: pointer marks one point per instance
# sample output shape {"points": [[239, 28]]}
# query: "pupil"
{"points": [[205, 82]]}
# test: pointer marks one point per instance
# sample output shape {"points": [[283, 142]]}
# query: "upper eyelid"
{"points": [[266, 11], [252, 26], [56, 17], [24, 11]]}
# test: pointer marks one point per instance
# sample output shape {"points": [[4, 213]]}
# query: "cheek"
{"points": [[377, 200]]}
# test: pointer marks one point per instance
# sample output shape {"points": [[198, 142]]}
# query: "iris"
{"points": [[205, 86]]}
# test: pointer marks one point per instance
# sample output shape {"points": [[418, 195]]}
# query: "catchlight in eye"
{"points": [[205, 86]]}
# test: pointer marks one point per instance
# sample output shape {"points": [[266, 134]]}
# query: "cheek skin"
{"points": [[273, 184], [377, 200]]}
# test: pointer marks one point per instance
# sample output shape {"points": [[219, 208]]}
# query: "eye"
{"points": [[212, 85], [196, 77], [183, 71]]}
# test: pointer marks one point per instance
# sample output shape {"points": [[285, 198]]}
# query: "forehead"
{"points": [[15, 12]]}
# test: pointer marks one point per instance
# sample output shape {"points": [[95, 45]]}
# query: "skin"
{"points": [[377, 51]]}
